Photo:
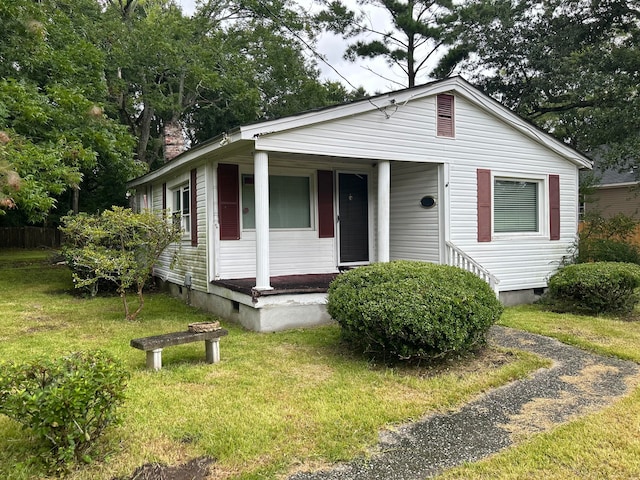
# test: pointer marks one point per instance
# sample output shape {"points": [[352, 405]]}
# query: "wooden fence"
{"points": [[29, 237]]}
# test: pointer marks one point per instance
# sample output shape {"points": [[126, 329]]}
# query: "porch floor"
{"points": [[286, 284]]}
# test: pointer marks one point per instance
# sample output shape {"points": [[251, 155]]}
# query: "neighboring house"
{"points": [[614, 192], [441, 173]]}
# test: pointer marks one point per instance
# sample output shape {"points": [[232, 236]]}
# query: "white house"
{"points": [[272, 211]]}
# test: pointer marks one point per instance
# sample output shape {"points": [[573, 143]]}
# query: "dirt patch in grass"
{"points": [[480, 360], [196, 469], [542, 413]]}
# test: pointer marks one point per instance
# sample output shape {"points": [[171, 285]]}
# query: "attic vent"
{"points": [[445, 120]]}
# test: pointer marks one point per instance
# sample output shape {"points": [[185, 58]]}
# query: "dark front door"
{"points": [[353, 205]]}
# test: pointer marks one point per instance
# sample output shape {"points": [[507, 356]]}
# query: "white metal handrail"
{"points": [[458, 258]]}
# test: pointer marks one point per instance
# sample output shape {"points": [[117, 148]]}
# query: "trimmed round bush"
{"points": [[408, 309], [599, 287]]}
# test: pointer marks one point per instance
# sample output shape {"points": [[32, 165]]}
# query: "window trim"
{"points": [[181, 192], [543, 204], [311, 175]]}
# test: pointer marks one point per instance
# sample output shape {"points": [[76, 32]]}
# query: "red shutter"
{"points": [[229, 201], [164, 196], [484, 205], [445, 120], [193, 210], [325, 204], [554, 207]]}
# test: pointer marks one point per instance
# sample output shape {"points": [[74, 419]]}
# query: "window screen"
{"points": [[515, 206]]}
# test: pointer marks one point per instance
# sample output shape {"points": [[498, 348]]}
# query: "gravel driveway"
{"points": [[578, 383]]}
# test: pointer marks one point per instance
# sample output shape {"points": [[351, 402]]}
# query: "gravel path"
{"points": [[578, 383]]}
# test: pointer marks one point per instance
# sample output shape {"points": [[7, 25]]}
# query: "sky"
{"points": [[357, 74]]}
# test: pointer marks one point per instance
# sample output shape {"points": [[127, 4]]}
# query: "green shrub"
{"points": [[67, 403], [408, 309], [600, 287], [117, 246], [607, 240]]}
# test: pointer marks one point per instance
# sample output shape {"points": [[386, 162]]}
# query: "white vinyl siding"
{"points": [[482, 140], [192, 260], [518, 260], [414, 230]]}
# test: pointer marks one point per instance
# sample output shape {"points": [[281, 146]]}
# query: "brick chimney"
{"points": [[174, 141]]}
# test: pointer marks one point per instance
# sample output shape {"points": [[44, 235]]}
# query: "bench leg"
{"points": [[212, 348], [154, 359]]}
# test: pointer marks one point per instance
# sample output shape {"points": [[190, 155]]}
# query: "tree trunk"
{"points": [[140, 303], [145, 133], [123, 296], [75, 202]]}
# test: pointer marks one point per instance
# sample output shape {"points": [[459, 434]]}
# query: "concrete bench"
{"points": [[154, 345]]}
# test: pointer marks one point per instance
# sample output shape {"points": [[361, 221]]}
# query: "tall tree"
{"points": [[232, 62], [569, 66], [415, 37], [55, 135]]}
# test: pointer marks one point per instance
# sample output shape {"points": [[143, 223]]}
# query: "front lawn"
{"points": [[276, 402]]}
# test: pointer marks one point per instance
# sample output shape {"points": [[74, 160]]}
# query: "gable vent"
{"points": [[445, 120]]}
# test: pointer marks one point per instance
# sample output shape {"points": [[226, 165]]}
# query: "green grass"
{"points": [[275, 403], [601, 445]]}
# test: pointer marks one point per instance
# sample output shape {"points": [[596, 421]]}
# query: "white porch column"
{"points": [[384, 190], [261, 185]]}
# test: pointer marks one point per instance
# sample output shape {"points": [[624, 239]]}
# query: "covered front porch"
{"points": [[358, 211], [269, 275], [348, 209]]}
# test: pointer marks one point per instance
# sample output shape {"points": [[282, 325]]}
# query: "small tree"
{"points": [[607, 240], [119, 246]]}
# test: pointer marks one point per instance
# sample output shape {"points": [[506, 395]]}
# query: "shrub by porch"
{"points": [[409, 309]]}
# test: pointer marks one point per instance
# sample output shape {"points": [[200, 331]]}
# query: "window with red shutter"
{"points": [[325, 204], [484, 205], [229, 201], [445, 116], [554, 207]]}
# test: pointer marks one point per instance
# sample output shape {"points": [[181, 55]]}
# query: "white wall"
{"points": [[414, 230], [406, 134], [482, 141]]}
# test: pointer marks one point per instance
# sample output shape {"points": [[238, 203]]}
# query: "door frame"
{"points": [[370, 211]]}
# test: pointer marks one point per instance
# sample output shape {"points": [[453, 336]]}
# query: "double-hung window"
{"points": [[289, 202], [181, 207], [516, 205]]}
